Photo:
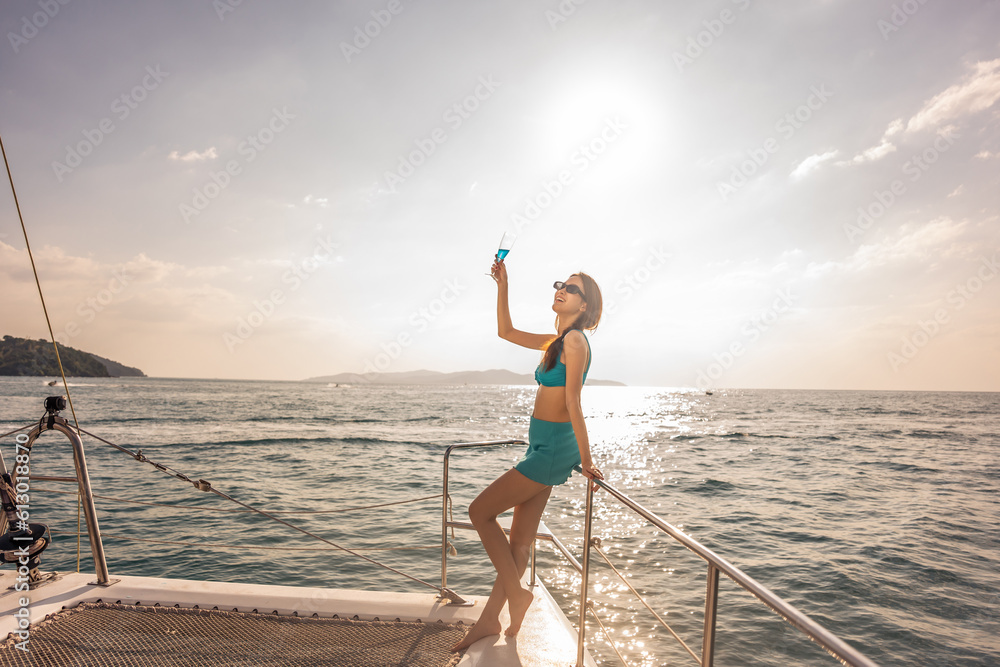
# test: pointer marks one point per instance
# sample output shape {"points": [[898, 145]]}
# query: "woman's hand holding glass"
{"points": [[499, 272], [506, 243]]}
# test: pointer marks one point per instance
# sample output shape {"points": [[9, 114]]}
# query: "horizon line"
{"points": [[624, 385]]}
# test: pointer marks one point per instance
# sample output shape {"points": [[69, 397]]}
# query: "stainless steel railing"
{"points": [[832, 644], [56, 423], [447, 523], [446, 499]]}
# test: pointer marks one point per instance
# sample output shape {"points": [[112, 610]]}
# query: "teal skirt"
{"points": [[552, 452]]}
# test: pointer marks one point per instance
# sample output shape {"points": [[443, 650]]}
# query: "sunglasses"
{"points": [[570, 289]]}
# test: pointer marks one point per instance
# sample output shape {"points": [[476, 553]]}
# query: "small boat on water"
{"points": [[74, 618]]}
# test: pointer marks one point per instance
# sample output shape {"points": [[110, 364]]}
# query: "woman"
{"points": [[557, 442]]}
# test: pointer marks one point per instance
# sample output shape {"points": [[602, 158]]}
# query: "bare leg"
{"points": [[522, 534], [509, 490], [523, 529], [489, 620]]}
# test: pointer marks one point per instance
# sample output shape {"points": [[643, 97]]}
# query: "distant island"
{"points": [[23, 356], [495, 376]]}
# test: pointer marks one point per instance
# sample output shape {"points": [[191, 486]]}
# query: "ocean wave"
{"points": [[885, 434], [925, 433], [897, 466], [342, 420], [712, 486], [157, 419], [918, 571], [293, 440], [797, 536], [761, 436]]}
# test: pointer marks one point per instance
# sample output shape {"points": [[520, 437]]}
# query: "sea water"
{"points": [[875, 513]]}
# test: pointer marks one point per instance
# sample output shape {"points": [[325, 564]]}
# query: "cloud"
{"points": [[811, 163], [70, 273], [194, 156], [877, 152], [929, 243], [730, 276], [872, 154], [978, 91], [110, 296], [323, 202]]}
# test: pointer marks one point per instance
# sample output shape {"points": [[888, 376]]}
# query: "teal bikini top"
{"points": [[556, 377]]}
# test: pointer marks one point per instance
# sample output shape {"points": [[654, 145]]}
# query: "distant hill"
{"points": [[495, 376], [117, 370], [23, 356]]}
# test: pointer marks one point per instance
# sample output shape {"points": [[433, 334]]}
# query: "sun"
{"points": [[577, 111]]}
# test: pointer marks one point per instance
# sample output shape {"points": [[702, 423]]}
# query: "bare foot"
{"points": [[518, 607], [482, 628]]}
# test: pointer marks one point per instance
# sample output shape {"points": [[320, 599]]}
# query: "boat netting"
{"points": [[102, 634]]}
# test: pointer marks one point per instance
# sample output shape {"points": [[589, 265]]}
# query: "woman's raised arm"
{"points": [[505, 329]]}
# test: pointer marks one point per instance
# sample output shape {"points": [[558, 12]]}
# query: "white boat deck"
{"points": [[546, 637]]}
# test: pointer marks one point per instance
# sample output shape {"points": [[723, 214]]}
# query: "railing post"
{"points": [[711, 606], [445, 498], [57, 423], [584, 575], [444, 523]]}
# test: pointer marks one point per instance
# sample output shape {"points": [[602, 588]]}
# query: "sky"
{"points": [[791, 194]]}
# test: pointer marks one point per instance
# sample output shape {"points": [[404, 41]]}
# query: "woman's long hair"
{"points": [[588, 319]]}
